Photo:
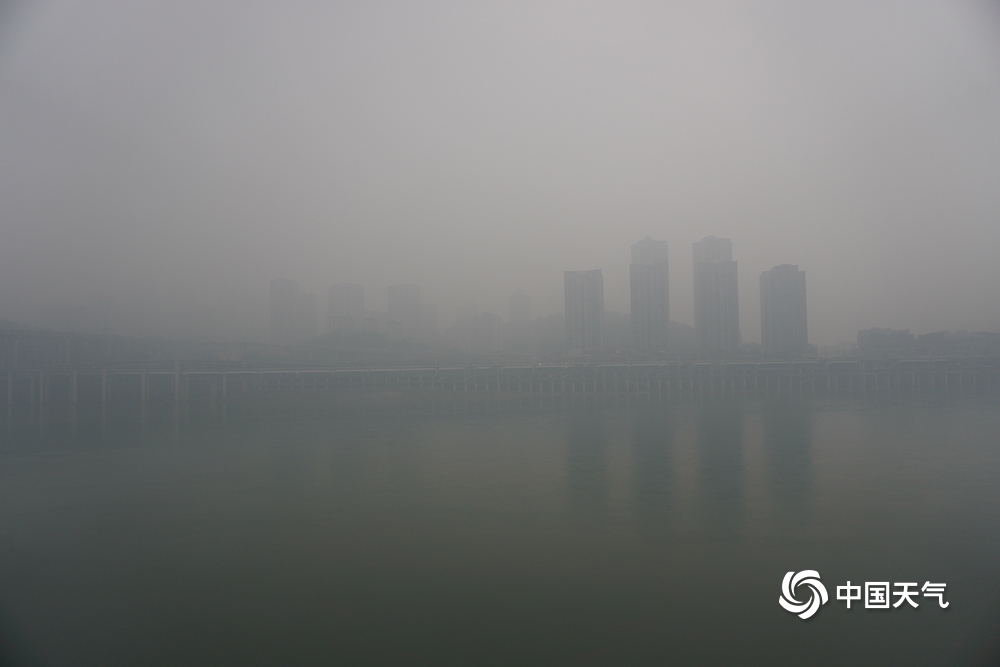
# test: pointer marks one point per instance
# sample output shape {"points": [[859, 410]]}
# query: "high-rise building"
{"points": [[650, 292], [404, 309], [716, 302], [346, 308], [783, 311], [584, 310]]}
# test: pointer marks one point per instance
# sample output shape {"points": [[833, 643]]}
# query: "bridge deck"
{"points": [[160, 382]]}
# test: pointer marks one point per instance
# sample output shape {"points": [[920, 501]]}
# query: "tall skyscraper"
{"points": [[584, 310], [650, 292], [783, 310], [284, 311], [716, 302], [404, 309], [347, 308]]}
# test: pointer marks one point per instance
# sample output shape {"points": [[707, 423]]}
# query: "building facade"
{"points": [[584, 310], [716, 298], [783, 327], [649, 288]]}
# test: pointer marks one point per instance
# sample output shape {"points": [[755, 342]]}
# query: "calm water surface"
{"points": [[650, 532]]}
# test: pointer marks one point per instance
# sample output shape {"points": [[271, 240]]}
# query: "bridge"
{"points": [[178, 382]]}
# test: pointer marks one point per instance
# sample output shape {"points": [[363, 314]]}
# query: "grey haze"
{"points": [[161, 162]]}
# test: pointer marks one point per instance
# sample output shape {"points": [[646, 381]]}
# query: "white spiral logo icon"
{"points": [[817, 596]]}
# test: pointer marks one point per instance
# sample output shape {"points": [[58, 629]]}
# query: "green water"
{"points": [[643, 532]]}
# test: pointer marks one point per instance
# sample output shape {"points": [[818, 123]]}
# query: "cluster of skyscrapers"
{"points": [[716, 303], [716, 309]]}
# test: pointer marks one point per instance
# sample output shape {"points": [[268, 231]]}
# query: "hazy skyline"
{"points": [[198, 150]]}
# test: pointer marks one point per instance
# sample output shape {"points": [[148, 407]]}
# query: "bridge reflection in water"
{"points": [[92, 384]]}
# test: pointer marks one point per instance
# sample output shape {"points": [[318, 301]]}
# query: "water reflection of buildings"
{"points": [[653, 467], [587, 464], [720, 464], [788, 443]]}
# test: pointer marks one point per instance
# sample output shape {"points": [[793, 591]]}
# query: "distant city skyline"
{"points": [[157, 178], [716, 297], [716, 332], [649, 286]]}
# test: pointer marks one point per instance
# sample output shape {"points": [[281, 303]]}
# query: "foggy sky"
{"points": [[186, 153]]}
